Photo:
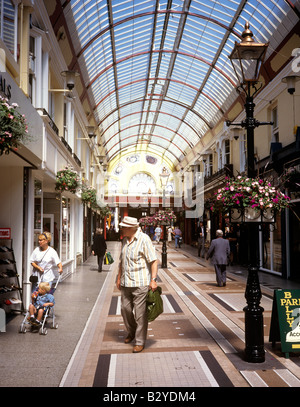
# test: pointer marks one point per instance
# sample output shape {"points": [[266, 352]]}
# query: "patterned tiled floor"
{"points": [[197, 342]]}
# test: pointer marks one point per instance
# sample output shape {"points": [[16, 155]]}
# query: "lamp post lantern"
{"points": [[247, 58]]}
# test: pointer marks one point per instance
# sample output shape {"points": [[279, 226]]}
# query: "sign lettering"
{"points": [[285, 322]]}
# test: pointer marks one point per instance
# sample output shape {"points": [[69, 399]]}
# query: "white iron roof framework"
{"points": [[157, 72]]}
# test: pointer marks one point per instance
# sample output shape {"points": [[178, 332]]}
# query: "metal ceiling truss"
{"points": [[174, 65]]}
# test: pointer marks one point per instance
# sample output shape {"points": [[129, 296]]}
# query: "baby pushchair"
{"points": [[49, 313]]}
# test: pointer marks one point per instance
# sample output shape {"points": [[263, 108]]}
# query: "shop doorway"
{"points": [[50, 226], [48, 223]]}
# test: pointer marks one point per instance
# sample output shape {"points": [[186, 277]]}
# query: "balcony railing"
{"points": [[214, 180], [65, 143], [77, 159], [226, 171], [43, 112]]}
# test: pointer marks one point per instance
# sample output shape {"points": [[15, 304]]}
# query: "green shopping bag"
{"points": [[108, 259], [155, 305]]}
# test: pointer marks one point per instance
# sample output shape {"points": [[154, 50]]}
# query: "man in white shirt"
{"points": [[137, 273]]}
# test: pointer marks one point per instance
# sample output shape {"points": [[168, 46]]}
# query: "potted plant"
{"points": [[67, 180], [13, 126]]}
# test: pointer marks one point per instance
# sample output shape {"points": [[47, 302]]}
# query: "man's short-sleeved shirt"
{"points": [[135, 260]]}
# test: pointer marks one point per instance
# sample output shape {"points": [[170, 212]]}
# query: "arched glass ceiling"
{"points": [[158, 72]]}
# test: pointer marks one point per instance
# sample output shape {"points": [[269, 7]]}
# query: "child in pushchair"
{"points": [[41, 300], [40, 309]]}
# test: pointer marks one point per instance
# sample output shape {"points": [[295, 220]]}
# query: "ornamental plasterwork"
{"points": [[133, 159], [141, 183]]}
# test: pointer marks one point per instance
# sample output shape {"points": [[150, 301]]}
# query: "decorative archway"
{"points": [[140, 183]]}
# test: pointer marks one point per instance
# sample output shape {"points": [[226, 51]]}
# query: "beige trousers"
{"points": [[134, 312]]}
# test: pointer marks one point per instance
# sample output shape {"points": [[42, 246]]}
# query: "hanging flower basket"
{"points": [[252, 193], [88, 196], [13, 127], [104, 211], [147, 221], [165, 217], [67, 180], [144, 221]]}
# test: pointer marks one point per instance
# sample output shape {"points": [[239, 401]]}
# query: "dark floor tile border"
{"points": [[188, 277], [216, 369], [101, 375], [224, 304], [113, 306], [102, 370], [174, 303]]}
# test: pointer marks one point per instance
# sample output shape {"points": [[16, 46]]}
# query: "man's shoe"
{"points": [[138, 348], [128, 339]]}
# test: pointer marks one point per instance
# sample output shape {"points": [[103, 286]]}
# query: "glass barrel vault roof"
{"points": [[157, 72]]}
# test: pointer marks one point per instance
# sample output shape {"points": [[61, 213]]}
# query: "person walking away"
{"points": [[219, 251], [201, 240], [158, 231], [170, 232], [137, 274], [99, 247], [177, 234], [44, 259], [151, 231]]}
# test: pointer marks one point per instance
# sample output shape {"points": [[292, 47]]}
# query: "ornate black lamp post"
{"points": [[149, 201], [247, 58], [164, 180]]}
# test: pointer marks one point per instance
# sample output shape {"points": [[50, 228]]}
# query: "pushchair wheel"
{"points": [[43, 331], [22, 329], [54, 326]]}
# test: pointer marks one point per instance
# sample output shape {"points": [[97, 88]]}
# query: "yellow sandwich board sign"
{"points": [[285, 322]]}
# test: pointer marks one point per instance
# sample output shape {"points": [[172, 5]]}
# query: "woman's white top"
{"points": [[48, 260]]}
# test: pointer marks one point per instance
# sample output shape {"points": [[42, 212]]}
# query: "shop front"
{"points": [[292, 247], [61, 215]]}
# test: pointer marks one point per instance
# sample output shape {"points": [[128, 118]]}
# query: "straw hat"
{"points": [[129, 222]]}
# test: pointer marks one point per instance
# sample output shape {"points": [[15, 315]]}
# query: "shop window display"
{"points": [[37, 210], [65, 238]]}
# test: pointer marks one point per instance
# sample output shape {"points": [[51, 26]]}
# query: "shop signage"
{"points": [[5, 233], [285, 321]]}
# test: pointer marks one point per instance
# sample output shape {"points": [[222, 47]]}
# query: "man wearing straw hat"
{"points": [[137, 273]]}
